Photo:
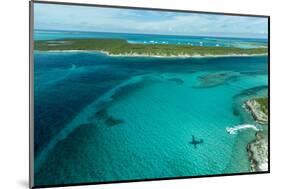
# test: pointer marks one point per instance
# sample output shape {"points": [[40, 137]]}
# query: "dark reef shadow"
{"points": [[178, 81], [112, 121], [216, 79]]}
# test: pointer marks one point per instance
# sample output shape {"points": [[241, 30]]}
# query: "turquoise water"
{"points": [[155, 39], [100, 118]]}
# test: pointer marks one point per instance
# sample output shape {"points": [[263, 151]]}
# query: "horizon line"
{"points": [[183, 35]]}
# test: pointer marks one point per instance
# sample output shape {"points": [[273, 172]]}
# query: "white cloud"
{"points": [[62, 17]]}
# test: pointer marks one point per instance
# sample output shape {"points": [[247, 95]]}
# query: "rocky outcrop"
{"points": [[256, 110], [258, 153]]}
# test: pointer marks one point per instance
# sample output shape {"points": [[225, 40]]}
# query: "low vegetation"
{"points": [[263, 102], [122, 47]]}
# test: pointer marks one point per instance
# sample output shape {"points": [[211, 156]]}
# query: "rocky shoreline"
{"points": [[256, 110], [258, 149], [258, 153]]}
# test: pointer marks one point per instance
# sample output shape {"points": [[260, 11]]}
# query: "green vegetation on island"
{"points": [[263, 104], [259, 109], [122, 47]]}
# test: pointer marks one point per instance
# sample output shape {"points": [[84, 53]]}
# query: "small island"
{"points": [[119, 47]]}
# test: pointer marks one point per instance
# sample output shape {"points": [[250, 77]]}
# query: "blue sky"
{"points": [[81, 18]]}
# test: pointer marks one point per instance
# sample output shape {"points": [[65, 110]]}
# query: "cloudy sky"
{"points": [[81, 18]]}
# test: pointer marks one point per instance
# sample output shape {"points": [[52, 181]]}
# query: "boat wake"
{"points": [[237, 128]]}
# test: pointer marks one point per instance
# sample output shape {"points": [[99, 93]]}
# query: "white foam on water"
{"points": [[237, 128]]}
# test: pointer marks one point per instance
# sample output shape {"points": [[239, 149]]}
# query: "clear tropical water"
{"points": [[155, 39], [100, 118]]}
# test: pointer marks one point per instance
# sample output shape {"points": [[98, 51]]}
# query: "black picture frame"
{"points": [[31, 93]]}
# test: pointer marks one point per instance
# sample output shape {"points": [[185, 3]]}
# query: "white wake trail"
{"points": [[237, 128]]}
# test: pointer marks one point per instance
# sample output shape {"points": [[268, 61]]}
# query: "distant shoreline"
{"points": [[154, 56], [119, 47], [155, 34]]}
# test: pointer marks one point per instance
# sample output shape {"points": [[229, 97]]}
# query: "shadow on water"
{"points": [[195, 142]]}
